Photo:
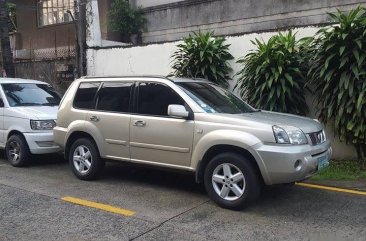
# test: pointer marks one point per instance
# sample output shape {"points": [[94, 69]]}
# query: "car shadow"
{"points": [[40, 160], [119, 172], [141, 175], [173, 179]]}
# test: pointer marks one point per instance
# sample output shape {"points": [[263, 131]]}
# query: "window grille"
{"points": [[54, 11]]}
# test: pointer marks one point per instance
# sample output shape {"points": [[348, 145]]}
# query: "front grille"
{"points": [[317, 138]]}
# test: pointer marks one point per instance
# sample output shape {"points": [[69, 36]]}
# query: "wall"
{"points": [[48, 71], [170, 22], [106, 33], [155, 59], [103, 17], [150, 3]]}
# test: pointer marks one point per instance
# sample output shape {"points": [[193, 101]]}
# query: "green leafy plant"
{"points": [[203, 56], [125, 19], [338, 76], [273, 75]]}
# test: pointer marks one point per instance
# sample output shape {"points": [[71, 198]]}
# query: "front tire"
{"points": [[231, 181], [17, 151], [84, 160]]}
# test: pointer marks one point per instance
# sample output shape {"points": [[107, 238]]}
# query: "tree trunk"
{"points": [[7, 55]]}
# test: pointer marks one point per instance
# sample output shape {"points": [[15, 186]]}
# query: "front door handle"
{"points": [[139, 123], [94, 118]]}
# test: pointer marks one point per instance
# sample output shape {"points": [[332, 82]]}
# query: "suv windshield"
{"points": [[214, 99], [31, 95]]}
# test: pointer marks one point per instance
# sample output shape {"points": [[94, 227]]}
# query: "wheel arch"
{"points": [[224, 148], [73, 137], [14, 132]]}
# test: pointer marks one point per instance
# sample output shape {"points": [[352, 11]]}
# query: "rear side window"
{"points": [[84, 98], [114, 97]]}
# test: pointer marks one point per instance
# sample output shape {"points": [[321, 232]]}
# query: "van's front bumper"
{"points": [[41, 142], [290, 163]]}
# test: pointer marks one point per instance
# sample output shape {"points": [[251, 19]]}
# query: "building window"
{"points": [[54, 11]]}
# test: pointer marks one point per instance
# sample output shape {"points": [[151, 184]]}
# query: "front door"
{"points": [[156, 137]]}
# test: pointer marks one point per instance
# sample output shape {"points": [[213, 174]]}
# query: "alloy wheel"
{"points": [[82, 159], [228, 181]]}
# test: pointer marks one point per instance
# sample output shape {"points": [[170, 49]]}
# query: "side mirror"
{"points": [[1, 103], [178, 111]]}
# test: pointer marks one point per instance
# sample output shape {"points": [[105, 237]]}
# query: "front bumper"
{"points": [[41, 142], [279, 162]]}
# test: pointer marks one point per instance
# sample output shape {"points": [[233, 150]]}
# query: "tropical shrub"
{"points": [[125, 19], [338, 76], [274, 74], [12, 16], [203, 56]]}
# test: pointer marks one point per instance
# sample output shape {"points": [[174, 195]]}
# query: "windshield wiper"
{"points": [[27, 104]]}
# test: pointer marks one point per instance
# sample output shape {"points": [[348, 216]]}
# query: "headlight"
{"points": [[42, 124], [289, 135]]}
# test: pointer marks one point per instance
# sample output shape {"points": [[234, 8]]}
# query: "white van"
{"points": [[28, 112]]}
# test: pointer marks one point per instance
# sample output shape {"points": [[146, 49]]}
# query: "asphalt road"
{"points": [[167, 206]]}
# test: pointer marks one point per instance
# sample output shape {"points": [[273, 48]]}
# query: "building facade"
{"points": [[44, 42]]}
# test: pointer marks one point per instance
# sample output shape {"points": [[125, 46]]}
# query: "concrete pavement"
{"points": [[167, 206]]}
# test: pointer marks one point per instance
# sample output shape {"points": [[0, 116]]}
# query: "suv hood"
{"points": [[307, 125], [35, 112]]}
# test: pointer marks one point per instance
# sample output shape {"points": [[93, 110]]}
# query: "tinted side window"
{"points": [[114, 97], [84, 98], [154, 99]]}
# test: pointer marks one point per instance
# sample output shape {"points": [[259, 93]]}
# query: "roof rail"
{"points": [[124, 76]]}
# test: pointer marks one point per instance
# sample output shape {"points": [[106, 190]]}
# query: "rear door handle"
{"points": [[94, 118], [139, 123]]}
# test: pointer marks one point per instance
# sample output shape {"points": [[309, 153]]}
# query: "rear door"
{"points": [[112, 118], [156, 137]]}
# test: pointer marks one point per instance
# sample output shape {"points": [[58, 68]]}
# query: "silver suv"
{"points": [[187, 124]]}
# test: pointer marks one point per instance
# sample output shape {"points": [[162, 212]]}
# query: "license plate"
{"points": [[323, 162]]}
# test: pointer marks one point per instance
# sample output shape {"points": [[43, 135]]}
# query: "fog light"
{"points": [[298, 165]]}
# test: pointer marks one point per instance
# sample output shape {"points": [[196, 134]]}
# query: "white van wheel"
{"points": [[17, 151]]}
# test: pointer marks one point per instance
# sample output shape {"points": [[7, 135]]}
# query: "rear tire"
{"points": [[231, 181], [84, 160], [17, 151]]}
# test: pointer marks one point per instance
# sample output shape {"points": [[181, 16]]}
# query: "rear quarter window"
{"points": [[85, 95]]}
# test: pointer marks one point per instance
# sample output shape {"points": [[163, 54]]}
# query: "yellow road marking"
{"points": [[335, 189], [101, 206]]}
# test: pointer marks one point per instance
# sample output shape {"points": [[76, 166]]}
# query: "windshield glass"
{"points": [[31, 95], [214, 99]]}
